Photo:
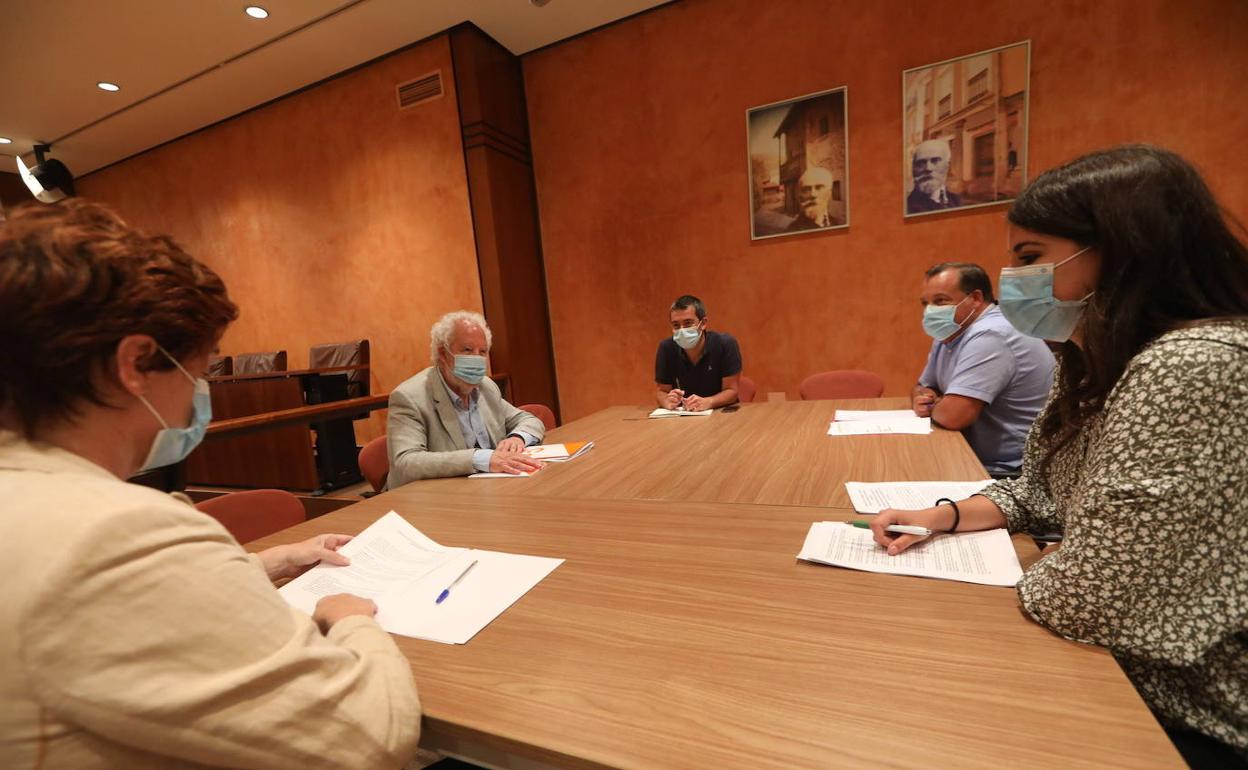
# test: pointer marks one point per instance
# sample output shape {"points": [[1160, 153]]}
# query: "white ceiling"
{"points": [[185, 64]]}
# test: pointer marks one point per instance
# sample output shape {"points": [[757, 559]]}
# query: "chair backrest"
{"points": [[220, 366], [375, 463], [260, 363], [746, 389], [842, 383], [350, 353], [252, 514], [541, 412]]}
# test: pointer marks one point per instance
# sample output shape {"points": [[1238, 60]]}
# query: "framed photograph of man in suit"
{"points": [[964, 130], [799, 164]]}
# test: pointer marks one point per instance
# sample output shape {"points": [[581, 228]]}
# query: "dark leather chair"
{"points": [[260, 363], [350, 353], [220, 366]]}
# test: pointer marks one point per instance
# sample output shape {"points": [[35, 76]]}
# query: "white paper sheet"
{"points": [[914, 425], [907, 495], [401, 569], [987, 558], [520, 475], [661, 412]]}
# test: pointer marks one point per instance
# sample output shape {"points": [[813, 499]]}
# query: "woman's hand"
{"points": [[283, 561], [331, 609], [937, 519]]}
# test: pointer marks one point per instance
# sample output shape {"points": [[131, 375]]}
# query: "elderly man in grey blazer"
{"points": [[450, 419]]}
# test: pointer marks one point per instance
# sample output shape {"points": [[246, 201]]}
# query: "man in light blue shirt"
{"points": [[983, 377], [450, 419]]}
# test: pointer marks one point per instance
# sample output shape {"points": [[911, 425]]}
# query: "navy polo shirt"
{"points": [[720, 358]]}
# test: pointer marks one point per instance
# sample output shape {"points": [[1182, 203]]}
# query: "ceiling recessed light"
{"points": [[256, 12], [5, 140], [107, 86]]}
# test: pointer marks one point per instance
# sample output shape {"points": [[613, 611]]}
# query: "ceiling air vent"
{"points": [[421, 89]]}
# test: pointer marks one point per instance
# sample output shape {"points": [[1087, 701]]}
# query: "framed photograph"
{"points": [[799, 164], [964, 131]]}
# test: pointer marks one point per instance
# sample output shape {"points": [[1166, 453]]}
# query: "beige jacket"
{"points": [[136, 633], [423, 434]]}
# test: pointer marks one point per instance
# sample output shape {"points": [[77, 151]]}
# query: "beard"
{"points": [[930, 185], [812, 211]]}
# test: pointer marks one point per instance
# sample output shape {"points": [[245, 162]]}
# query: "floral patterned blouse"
{"points": [[1152, 497]]}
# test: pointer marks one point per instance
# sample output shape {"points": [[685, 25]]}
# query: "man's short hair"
{"points": [[970, 277], [443, 331], [689, 301]]}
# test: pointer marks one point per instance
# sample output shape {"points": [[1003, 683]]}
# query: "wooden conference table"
{"points": [[682, 632]]}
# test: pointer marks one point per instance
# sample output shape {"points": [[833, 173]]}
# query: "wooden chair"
{"points": [[375, 463], [842, 383], [252, 514], [541, 412], [746, 390]]}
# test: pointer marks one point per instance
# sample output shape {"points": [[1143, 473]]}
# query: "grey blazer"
{"points": [[423, 436]]}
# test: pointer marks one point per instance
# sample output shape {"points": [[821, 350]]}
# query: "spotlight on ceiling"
{"points": [[256, 12], [49, 181], [106, 86], [5, 140]]}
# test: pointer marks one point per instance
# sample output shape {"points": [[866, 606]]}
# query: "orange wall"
{"points": [[639, 149], [330, 215]]}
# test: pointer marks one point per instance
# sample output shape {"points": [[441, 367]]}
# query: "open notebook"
{"points": [[558, 453]]}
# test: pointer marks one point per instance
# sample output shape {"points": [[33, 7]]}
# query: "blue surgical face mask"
{"points": [[938, 320], [1027, 301], [470, 369], [687, 338], [172, 445]]}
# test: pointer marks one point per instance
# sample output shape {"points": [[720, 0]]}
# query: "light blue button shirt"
{"points": [[473, 427], [993, 362]]}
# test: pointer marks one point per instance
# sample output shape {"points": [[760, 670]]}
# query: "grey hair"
{"points": [[444, 330], [946, 151]]}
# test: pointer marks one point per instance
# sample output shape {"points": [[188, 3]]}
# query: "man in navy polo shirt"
{"points": [[982, 377], [696, 368]]}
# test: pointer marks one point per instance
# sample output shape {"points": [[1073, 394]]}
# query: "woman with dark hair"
{"points": [[136, 632], [1140, 457]]}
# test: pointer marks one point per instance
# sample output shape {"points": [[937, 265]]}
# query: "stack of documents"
{"points": [[395, 565], [985, 557], [850, 422], [908, 495], [559, 453], [661, 412]]}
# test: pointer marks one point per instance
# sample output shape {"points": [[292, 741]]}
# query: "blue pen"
{"points": [[447, 591]]}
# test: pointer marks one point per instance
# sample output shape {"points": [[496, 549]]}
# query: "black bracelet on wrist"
{"points": [[957, 515]]}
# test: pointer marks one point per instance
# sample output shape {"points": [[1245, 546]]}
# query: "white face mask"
{"points": [[1027, 301], [687, 338], [171, 445]]}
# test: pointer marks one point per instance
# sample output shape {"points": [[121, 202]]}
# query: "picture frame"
{"points": [[797, 156], [965, 130]]}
